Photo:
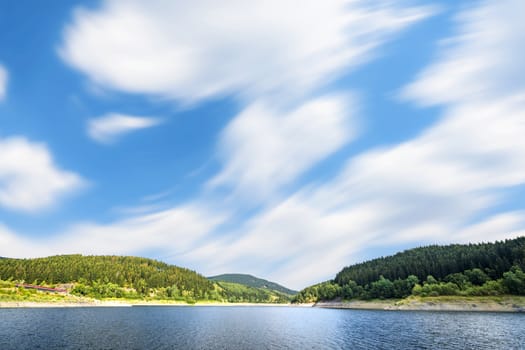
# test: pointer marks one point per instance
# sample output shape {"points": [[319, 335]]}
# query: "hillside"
{"points": [[457, 269], [125, 277], [112, 272], [439, 261], [252, 281]]}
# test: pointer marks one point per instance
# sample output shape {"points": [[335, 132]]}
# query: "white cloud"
{"points": [[29, 179], [172, 231], [264, 148], [191, 51], [109, 128], [480, 81], [482, 61], [12, 245], [496, 227], [294, 241], [3, 82]]}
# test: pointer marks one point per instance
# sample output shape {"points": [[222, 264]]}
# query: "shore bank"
{"points": [[36, 304], [479, 304], [127, 303]]}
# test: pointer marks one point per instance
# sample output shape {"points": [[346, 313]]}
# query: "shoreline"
{"points": [[127, 303], [452, 304]]}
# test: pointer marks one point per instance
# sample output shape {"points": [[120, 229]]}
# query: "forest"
{"points": [[127, 277], [458, 269]]}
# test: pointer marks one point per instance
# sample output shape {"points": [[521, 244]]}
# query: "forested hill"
{"points": [[439, 261], [457, 269], [252, 281], [128, 277], [124, 271]]}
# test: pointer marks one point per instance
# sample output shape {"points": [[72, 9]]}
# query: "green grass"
{"points": [[15, 294], [10, 293]]}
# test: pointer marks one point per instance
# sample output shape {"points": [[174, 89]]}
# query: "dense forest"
{"points": [[470, 269], [252, 281], [128, 277]]}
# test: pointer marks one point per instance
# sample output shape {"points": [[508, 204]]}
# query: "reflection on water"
{"points": [[256, 328]]}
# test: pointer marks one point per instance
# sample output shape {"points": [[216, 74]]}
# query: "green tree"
{"points": [[459, 279], [382, 288], [476, 276], [431, 280], [514, 281]]}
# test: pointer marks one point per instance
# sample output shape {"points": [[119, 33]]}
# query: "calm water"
{"points": [[255, 328]]}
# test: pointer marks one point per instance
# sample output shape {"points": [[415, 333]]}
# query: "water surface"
{"points": [[256, 328]]}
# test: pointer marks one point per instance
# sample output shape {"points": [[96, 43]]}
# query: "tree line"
{"points": [[471, 269]]}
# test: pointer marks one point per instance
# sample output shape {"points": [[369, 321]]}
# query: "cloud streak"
{"points": [[205, 49], [109, 128], [264, 148], [170, 232]]}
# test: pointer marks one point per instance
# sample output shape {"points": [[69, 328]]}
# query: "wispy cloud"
{"points": [[3, 82], [191, 51], [29, 179], [264, 148], [171, 231], [483, 61], [109, 128]]}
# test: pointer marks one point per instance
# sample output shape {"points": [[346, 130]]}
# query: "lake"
{"points": [[256, 328]]}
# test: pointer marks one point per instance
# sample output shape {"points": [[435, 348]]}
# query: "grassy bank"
{"points": [[11, 296], [72, 301]]}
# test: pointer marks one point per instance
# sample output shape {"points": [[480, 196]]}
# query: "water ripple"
{"points": [[256, 328]]}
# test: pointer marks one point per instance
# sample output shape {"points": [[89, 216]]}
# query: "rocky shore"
{"points": [[510, 304]]}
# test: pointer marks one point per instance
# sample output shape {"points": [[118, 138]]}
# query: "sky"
{"points": [[285, 139]]}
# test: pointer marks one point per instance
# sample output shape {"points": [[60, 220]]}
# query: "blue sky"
{"points": [[286, 139]]}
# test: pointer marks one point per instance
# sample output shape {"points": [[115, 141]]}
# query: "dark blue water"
{"points": [[255, 328]]}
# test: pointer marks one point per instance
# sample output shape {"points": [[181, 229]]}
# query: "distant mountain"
{"points": [[236, 292], [252, 281]]}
